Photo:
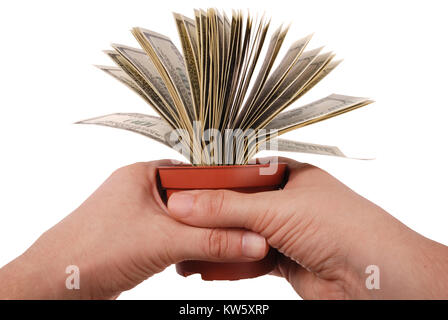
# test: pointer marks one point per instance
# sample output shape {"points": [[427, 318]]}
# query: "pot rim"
{"points": [[188, 177], [233, 166]]}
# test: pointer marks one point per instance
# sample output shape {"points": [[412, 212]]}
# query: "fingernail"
{"points": [[180, 205], [253, 245]]}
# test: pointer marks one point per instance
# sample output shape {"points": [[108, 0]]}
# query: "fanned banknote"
{"points": [[210, 98]]}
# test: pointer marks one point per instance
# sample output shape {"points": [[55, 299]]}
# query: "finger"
{"points": [[152, 179], [307, 284], [152, 165], [162, 162], [286, 267], [229, 245], [275, 159], [301, 279], [145, 170], [292, 164], [293, 170], [224, 208]]}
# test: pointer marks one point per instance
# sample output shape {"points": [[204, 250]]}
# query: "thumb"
{"points": [[219, 245], [228, 209]]}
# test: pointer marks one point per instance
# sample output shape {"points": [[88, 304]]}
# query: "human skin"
{"points": [[327, 236], [118, 237]]}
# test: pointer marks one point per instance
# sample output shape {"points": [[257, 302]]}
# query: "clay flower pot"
{"points": [[240, 178]]}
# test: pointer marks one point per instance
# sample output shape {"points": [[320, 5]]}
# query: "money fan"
{"points": [[219, 103]]}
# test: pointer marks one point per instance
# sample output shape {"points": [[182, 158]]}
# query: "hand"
{"points": [[328, 235], [118, 237]]}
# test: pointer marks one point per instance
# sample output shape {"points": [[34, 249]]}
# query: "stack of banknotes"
{"points": [[220, 101]]}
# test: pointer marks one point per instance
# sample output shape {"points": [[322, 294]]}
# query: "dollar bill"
{"points": [[315, 111], [286, 65], [154, 98], [157, 129], [140, 60], [188, 38], [293, 58], [304, 147], [280, 102], [170, 63], [121, 76], [250, 61], [150, 126], [287, 145], [299, 67], [318, 77], [213, 85], [271, 53], [192, 32]]}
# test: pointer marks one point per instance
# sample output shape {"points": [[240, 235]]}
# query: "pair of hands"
{"points": [[327, 236]]}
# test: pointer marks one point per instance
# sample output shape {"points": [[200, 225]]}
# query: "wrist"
{"points": [[414, 268], [26, 278], [42, 273], [432, 265]]}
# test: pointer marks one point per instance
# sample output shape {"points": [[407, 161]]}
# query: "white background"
{"points": [[394, 52]]}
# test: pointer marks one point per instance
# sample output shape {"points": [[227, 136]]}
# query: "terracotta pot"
{"points": [[243, 178]]}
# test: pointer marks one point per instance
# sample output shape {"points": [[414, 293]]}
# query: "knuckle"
{"points": [[212, 202], [135, 173], [263, 221], [129, 169], [118, 172], [162, 162], [217, 243], [314, 170]]}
